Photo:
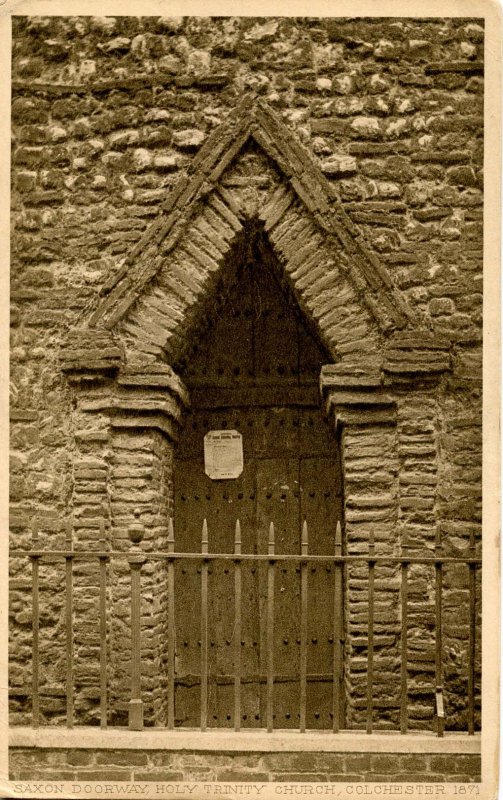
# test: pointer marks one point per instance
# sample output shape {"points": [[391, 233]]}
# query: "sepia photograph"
{"points": [[248, 257]]}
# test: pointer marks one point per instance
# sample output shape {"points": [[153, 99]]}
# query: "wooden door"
{"points": [[257, 373]]}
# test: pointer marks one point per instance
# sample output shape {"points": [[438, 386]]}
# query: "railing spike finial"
{"points": [[204, 537], [371, 540], [271, 538], [304, 541], [237, 537], [338, 539], [35, 531], [69, 534], [102, 533]]}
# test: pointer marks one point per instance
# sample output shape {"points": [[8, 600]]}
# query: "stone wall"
{"points": [[159, 766], [107, 114]]}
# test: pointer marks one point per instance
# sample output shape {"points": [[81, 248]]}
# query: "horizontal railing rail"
{"points": [[137, 557], [56, 555]]}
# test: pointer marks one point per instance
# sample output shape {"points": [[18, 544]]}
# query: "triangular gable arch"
{"points": [[342, 288], [171, 312]]}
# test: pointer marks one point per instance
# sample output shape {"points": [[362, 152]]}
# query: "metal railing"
{"points": [[340, 561]]}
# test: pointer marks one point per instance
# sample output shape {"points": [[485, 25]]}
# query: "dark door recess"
{"points": [[256, 370]]}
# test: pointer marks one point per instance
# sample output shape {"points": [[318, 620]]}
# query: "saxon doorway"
{"points": [[255, 370]]}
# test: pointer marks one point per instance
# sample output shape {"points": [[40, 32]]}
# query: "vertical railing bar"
{"points": [[270, 631], [403, 640], [303, 627], [337, 632], [171, 626], [370, 666], [35, 629], [471, 637], [204, 628], [237, 628], [136, 703], [438, 636], [69, 628], [103, 629]]}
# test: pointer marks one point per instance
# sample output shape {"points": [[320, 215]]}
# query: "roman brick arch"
{"points": [[174, 301], [252, 173], [158, 293], [253, 184]]}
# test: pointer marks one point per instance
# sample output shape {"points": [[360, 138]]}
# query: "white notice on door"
{"points": [[223, 454]]}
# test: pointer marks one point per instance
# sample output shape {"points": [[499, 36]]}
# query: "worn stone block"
{"points": [[129, 758], [105, 774], [79, 758], [158, 775]]}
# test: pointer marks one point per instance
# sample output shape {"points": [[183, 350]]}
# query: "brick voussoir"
{"points": [[317, 281], [203, 226], [222, 209], [275, 211], [305, 265], [228, 197], [219, 225], [204, 243], [289, 229], [296, 254], [204, 260]]}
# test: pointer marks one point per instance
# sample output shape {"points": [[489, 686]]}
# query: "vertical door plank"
{"points": [[189, 516], [275, 332], [278, 502], [321, 507], [198, 497]]}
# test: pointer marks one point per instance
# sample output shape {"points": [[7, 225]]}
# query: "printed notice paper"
{"points": [[223, 454]]}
